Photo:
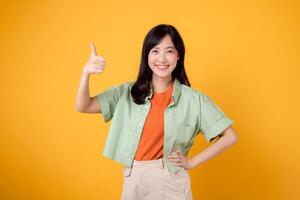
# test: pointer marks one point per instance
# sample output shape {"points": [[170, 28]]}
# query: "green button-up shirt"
{"points": [[190, 112]]}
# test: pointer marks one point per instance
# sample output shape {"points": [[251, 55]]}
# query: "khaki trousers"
{"points": [[151, 180]]}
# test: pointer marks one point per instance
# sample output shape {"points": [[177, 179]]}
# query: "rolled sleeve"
{"points": [[108, 100], [104, 107], [213, 120]]}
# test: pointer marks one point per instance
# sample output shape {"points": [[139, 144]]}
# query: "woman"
{"points": [[156, 119]]}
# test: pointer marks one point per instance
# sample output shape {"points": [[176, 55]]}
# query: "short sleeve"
{"points": [[213, 121], [108, 100]]}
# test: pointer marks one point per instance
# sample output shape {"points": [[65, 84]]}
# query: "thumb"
{"points": [[177, 151], [93, 49]]}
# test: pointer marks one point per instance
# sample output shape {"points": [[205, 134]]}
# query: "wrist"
{"points": [[192, 163], [85, 74]]}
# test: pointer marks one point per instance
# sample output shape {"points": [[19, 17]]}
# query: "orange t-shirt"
{"points": [[152, 139]]}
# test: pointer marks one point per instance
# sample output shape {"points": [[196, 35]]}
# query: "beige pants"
{"points": [[151, 180]]}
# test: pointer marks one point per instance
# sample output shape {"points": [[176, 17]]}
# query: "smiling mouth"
{"points": [[162, 66]]}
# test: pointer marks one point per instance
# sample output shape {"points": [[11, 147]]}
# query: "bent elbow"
{"points": [[79, 109], [234, 138]]}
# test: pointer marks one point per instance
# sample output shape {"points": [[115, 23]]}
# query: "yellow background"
{"points": [[243, 54]]}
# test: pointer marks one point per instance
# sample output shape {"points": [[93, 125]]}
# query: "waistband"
{"points": [[148, 163]]}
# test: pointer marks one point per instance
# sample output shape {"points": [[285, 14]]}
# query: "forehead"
{"points": [[166, 42]]}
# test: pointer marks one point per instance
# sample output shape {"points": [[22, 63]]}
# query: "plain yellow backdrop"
{"points": [[243, 54]]}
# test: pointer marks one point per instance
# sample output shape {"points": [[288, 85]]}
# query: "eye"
{"points": [[154, 51], [170, 51]]}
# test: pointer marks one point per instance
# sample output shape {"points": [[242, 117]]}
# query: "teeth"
{"points": [[162, 66]]}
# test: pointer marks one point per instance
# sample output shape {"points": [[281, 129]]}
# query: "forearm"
{"points": [[83, 93], [224, 142]]}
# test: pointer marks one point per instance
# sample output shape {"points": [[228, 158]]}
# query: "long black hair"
{"points": [[142, 88]]}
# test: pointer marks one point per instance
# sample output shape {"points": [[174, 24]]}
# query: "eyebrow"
{"points": [[168, 47]]}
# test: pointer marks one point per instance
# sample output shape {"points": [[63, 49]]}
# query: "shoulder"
{"points": [[117, 89], [192, 92], [123, 86]]}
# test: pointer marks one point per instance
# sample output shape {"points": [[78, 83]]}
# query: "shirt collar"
{"points": [[175, 94]]}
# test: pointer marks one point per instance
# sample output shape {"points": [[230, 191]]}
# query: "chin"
{"points": [[161, 75]]}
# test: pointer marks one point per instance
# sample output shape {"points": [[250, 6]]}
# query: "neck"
{"points": [[161, 84]]}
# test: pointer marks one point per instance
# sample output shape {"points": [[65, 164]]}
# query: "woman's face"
{"points": [[163, 57]]}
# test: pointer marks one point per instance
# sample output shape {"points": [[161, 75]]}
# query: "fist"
{"points": [[95, 64]]}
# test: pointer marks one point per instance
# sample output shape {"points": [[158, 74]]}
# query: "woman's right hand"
{"points": [[95, 64]]}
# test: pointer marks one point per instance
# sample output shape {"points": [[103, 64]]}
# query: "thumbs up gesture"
{"points": [[95, 64]]}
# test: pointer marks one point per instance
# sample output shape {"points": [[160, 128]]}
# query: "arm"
{"points": [[85, 103], [226, 139], [95, 65], [215, 126]]}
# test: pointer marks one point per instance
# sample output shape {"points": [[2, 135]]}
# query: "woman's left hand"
{"points": [[180, 160]]}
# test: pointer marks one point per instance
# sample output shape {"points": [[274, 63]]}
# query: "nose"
{"points": [[162, 58]]}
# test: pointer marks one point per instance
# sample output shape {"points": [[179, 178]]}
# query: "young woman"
{"points": [[156, 119]]}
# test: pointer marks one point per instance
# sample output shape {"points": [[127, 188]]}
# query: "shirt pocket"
{"points": [[184, 137]]}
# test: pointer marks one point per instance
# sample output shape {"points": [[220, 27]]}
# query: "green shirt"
{"points": [[190, 112]]}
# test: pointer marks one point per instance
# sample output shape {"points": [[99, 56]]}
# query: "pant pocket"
{"points": [[181, 180], [128, 182]]}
